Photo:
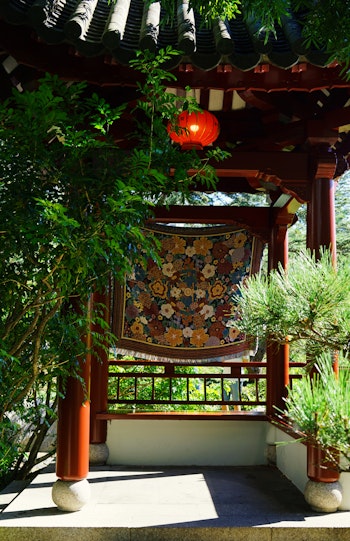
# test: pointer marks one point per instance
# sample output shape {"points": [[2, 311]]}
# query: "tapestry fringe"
{"points": [[242, 356]]}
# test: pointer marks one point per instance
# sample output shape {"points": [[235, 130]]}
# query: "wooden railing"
{"points": [[135, 385]]}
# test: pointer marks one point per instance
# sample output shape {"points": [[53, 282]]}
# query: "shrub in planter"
{"points": [[319, 406], [318, 409], [308, 306]]}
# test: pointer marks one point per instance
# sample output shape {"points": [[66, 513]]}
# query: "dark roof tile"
{"points": [[120, 27]]}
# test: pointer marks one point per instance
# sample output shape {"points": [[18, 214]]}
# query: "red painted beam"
{"points": [[256, 220], [285, 165]]}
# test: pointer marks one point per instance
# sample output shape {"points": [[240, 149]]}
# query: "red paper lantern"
{"points": [[196, 130]]}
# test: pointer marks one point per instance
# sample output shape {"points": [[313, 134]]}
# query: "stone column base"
{"points": [[98, 453], [71, 495], [323, 497]]}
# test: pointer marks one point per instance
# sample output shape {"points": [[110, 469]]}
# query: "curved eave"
{"points": [[63, 60]]}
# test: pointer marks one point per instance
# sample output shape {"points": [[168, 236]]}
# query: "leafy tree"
{"points": [[72, 207]]}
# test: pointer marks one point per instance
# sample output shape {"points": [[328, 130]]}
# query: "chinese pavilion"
{"points": [[283, 111]]}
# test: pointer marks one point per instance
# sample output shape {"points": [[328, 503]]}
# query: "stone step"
{"points": [[175, 534]]}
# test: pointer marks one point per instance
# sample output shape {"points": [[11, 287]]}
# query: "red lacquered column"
{"points": [[73, 427], [321, 217], [99, 374], [277, 356], [321, 225]]}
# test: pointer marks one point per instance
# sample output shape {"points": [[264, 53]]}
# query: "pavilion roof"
{"points": [[118, 28], [270, 96]]}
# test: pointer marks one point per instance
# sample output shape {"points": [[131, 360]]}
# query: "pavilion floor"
{"points": [[170, 504]]}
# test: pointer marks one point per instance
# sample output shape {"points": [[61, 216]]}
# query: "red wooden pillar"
{"points": [[321, 234], [321, 226], [321, 231], [72, 462], [99, 373], [277, 356]]}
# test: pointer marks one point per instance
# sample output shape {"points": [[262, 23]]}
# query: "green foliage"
{"points": [[8, 448], [342, 212], [72, 207], [34, 417], [209, 10], [269, 14], [309, 303], [320, 30], [319, 407]]}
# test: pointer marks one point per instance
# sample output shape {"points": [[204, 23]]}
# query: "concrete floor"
{"points": [[187, 504]]}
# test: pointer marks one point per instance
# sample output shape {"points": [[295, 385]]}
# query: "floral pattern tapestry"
{"points": [[182, 307]]}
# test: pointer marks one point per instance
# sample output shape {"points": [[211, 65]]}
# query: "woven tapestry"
{"points": [[181, 307]]}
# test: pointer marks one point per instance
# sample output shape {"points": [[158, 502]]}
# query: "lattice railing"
{"points": [[135, 385]]}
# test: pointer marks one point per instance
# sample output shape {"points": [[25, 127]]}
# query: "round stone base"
{"points": [[70, 495], [323, 497], [98, 453]]}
